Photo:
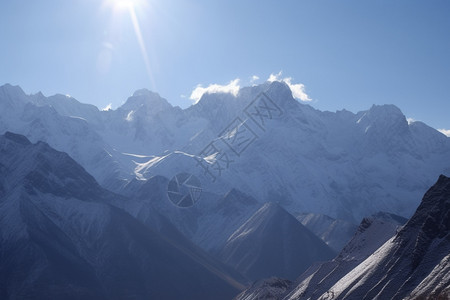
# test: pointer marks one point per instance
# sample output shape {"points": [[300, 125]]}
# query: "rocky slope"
{"points": [[60, 238], [412, 264], [273, 243]]}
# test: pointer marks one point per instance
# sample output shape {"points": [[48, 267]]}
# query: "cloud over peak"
{"points": [[231, 88], [298, 89], [107, 107]]}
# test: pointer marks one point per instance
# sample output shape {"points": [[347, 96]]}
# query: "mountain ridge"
{"points": [[346, 161], [62, 236], [384, 259]]}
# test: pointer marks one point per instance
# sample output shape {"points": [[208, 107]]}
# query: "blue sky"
{"points": [[347, 54]]}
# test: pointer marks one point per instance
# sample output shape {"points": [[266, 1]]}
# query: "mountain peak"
{"points": [[12, 89], [149, 100], [388, 111], [272, 208], [442, 180], [237, 198], [17, 138], [283, 245], [388, 217], [145, 92], [391, 108], [372, 232], [418, 253], [385, 111], [279, 86], [385, 126], [41, 168], [13, 94]]}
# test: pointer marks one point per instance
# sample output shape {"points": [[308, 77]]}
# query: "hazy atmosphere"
{"points": [[226, 150], [347, 54]]}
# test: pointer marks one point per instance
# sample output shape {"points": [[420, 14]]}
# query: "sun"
{"points": [[133, 7], [125, 4]]}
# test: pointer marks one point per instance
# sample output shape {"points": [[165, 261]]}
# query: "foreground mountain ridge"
{"points": [[371, 234], [273, 243], [410, 257], [294, 158], [412, 264], [61, 238]]}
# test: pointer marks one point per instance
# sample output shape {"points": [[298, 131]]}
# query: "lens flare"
{"points": [[137, 31], [125, 4], [131, 6]]}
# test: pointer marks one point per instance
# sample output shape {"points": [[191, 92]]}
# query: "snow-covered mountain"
{"points": [[262, 141], [51, 120], [260, 146], [273, 243], [208, 224], [60, 238], [341, 164], [258, 241], [372, 233], [268, 289], [335, 233], [413, 263]]}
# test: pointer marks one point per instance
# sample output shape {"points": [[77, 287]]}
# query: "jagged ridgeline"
{"points": [[345, 165], [384, 260], [280, 189]]}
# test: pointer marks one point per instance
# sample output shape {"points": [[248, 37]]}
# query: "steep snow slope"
{"points": [[436, 284], [67, 106], [335, 233], [208, 224], [273, 243], [269, 289], [71, 134], [341, 164], [414, 262], [372, 233], [60, 239]]}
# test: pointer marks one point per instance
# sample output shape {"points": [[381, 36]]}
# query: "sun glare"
{"points": [[133, 6], [125, 4]]}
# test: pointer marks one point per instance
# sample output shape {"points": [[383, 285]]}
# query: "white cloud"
{"points": [[254, 78], [445, 131], [298, 89], [275, 77], [231, 88], [410, 120], [107, 107]]}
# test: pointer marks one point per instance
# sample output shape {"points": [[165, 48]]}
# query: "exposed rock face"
{"points": [[61, 239], [273, 243], [413, 264]]}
